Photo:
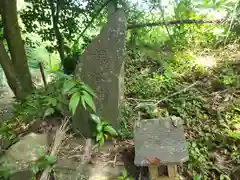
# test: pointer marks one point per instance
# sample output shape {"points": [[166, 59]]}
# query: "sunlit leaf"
{"points": [[89, 100], [88, 89], [74, 102], [83, 103], [124, 173], [224, 177], [106, 136], [101, 142], [73, 90], [99, 127], [51, 159], [110, 130], [68, 85], [197, 177], [48, 112], [35, 168], [95, 118], [99, 136]]}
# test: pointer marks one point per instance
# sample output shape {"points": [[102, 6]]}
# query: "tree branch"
{"points": [[173, 22], [90, 22], [164, 21], [55, 21]]}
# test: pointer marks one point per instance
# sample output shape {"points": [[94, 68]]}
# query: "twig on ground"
{"points": [[75, 156], [167, 97], [81, 134], [113, 162], [178, 92], [142, 100]]}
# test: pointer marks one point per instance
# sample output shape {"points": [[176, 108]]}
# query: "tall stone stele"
{"points": [[101, 67]]}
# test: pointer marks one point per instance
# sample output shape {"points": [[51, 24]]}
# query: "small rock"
{"points": [[28, 149]]}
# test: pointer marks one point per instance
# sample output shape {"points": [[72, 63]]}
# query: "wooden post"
{"points": [[172, 173], [153, 172], [42, 73]]}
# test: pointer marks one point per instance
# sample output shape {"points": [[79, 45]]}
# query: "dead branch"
{"points": [[167, 97], [175, 22], [178, 92], [91, 21]]}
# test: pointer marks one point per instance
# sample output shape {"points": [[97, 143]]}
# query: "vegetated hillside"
{"points": [[202, 86]]}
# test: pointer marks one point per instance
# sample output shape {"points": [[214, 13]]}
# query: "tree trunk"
{"points": [[17, 65], [9, 71], [60, 40]]}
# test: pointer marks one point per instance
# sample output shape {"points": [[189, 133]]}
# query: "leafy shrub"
{"points": [[103, 130], [64, 92], [55, 97], [124, 176], [211, 124]]}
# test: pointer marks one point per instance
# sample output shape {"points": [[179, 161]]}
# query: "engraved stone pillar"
{"points": [[101, 67]]}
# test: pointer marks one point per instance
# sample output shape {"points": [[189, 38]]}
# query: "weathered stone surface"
{"points": [[20, 155], [159, 138], [20, 175], [101, 67], [69, 170], [28, 149]]}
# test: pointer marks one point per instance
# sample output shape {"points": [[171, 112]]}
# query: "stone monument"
{"points": [[101, 67], [160, 143]]}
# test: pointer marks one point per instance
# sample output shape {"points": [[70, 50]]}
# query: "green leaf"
{"points": [[197, 177], [237, 109], [74, 102], [105, 123], [130, 178], [235, 135], [224, 177], [101, 142], [48, 112], [52, 101], [99, 136], [42, 151], [120, 178], [35, 168], [51, 159], [106, 136], [124, 173], [68, 85], [88, 89], [95, 118], [110, 130], [4, 172], [74, 90], [89, 100], [83, 103], [99, 127]]}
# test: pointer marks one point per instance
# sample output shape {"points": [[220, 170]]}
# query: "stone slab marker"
{"points": [[160, 142], [101, 67]]}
